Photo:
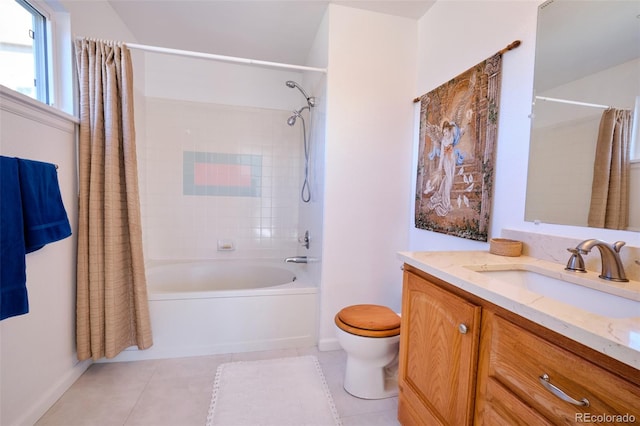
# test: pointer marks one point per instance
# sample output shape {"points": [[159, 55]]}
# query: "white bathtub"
{"points": [[225, 306]]}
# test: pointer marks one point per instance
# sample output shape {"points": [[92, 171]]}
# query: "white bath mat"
{"points": [[274, 392]]}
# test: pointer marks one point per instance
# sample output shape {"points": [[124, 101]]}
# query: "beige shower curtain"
{"points": [[112, 311], [611, 168]]}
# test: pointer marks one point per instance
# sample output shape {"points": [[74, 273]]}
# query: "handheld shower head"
{"points": [[292, 119], [311, 101], [305, 193]]}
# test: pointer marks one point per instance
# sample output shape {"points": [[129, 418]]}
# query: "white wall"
{"points": [[370, 88], [444, 51], [207, 81], [96, 19], [37, 350]]}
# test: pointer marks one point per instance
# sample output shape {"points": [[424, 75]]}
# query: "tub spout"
{"points": [[296, 259]]}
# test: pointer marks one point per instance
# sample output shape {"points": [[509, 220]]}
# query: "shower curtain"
{"points": [[610, 189], [112, 311]]}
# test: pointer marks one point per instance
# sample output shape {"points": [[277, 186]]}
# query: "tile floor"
{"points": [[177, 392]]}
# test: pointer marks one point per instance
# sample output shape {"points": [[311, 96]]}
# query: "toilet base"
{"points": [[364, 381]]}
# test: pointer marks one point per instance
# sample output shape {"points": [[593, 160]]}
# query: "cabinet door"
{"points": [[438, 355]]}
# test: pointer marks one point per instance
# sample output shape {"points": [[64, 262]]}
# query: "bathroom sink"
{"points": [[588, 299]]}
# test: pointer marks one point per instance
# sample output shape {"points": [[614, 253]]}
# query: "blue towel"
{"points": [[31, 215], [45, 219], [13, 289]]}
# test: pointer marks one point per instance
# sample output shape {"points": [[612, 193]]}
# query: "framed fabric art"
{"points": [[458, 132]]}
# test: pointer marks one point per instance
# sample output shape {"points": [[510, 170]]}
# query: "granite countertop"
{"points": [[618, 338]]}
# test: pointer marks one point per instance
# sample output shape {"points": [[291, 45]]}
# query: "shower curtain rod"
{"points": [[566, 101], [223, 58]]}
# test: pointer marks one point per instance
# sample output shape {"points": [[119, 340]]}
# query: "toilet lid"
{"points": [[370, 317]]}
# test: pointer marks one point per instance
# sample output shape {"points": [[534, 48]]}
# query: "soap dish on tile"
{"points": [[505, 247]]}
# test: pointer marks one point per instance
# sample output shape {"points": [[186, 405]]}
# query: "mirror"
{"points": [[587, 59]]}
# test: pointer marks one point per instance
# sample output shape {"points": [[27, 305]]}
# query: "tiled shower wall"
{"points": [[178, 224]]}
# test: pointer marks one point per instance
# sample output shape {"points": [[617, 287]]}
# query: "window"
{"points": [[23, 49]]}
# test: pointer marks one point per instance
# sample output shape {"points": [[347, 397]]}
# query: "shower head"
{"points": [[311, 101], [292, 119]]}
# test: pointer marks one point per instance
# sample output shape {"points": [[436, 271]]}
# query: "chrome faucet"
{"points": [[612, 268], [296, 259]]}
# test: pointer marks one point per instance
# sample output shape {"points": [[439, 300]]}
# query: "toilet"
{"points": [[370, 335]]}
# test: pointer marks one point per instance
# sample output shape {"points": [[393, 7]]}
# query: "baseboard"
{"points": [[329, 345], [49, 398], [158, 352]]}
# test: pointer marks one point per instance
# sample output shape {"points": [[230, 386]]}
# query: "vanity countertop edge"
{"points": [[618, 338]]}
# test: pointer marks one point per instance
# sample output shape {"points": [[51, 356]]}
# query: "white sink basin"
{"points": [[588, 299]]}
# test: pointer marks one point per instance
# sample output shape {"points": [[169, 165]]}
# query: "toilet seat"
{"points": [[368, 321]]}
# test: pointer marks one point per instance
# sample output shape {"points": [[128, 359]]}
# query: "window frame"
{"points": [[40, 55], [42, 52], [60, 72]]}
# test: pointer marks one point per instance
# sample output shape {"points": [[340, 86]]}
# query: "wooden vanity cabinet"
{"points": [[439, 353], [490, 374]]}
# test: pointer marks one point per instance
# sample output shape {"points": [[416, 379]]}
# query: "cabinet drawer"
{"points": [[517, 359], [502, 408]]}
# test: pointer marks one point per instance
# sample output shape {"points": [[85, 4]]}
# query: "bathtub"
{"points": [[226, 306]]}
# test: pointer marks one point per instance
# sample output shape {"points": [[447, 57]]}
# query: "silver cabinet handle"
{"points": [[463, 329], [546, 382]]}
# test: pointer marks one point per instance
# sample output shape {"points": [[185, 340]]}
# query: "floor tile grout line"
{"points": [[133, 407]]}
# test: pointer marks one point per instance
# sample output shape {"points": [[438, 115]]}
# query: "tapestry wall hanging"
{"points": [[458, 132]]}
